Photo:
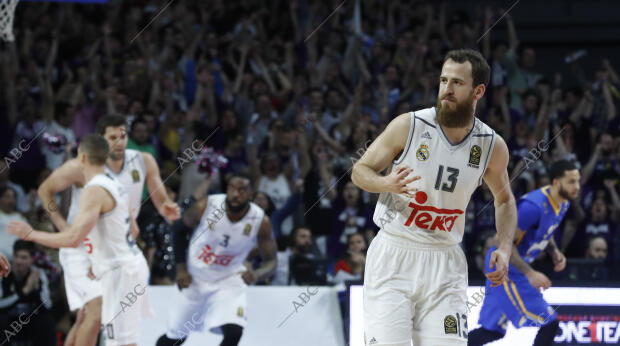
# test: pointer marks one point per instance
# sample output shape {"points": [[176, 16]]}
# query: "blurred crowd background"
{"points": [[293, 92]]}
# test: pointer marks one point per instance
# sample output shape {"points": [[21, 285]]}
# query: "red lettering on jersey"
{"points": [[89, 245], [422, 220], [438, 223], [209, 257], [441, 222]]}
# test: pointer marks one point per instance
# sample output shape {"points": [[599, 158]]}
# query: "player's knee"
{"points": [[164, 340], [232, 334]]}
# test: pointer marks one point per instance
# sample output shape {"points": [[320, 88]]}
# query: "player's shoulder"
{"points": [[427, 115], [481, 129], [72, 165]]}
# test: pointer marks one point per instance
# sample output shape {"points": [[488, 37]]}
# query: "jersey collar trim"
{"points": [[556, 208]]}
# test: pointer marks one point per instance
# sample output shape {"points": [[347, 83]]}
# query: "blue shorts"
{"points": [[516, 301]]}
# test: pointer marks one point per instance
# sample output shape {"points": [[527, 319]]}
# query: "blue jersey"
{"points": [[517, 300], [538, 216]]}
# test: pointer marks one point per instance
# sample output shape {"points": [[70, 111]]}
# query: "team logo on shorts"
{"points": [[247, 229], [474, 156], [135, 175], [240, 311], [449, 324], [423, 154]]}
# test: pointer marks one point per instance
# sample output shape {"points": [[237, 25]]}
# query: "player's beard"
{"points": [[461, 116], [237, 209], [564, 194], [116, 157]]}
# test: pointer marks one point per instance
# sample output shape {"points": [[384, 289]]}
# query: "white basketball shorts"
{"points": [[79, 288], [210, 304], [125, 302], [414, 292]]}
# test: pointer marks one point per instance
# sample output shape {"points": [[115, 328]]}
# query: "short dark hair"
{"points": [[96, 148], [109, 120], [239, 174], [558, 168], [480, 70], [23, 245]]}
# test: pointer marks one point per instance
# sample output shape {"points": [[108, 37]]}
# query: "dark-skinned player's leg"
{"points": [[165, 341], [481, 336], [232, 334]]}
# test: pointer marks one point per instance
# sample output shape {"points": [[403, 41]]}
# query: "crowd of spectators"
{"points": [[294, 101]]}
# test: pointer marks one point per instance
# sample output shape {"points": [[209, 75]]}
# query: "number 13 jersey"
{"points": [[449, 173]]}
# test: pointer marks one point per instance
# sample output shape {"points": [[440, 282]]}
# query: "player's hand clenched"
{"points": [[171, 211], [249, 277], [499, 261], [538, 279], [559, 260], [398, 180], [183, 278]]}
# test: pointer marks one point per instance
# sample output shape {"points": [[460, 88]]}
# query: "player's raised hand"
{"points": [[183, 278], [538, 279], [5, 266], [398, 180], [20, 229], [171, 211], [559, 260], [499, 261]]}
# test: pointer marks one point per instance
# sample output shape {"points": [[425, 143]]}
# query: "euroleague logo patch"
{"points": [[449, 324], [423, 154], [474, 156]]}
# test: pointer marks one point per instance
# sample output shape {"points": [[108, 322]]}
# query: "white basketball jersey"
{"points": [[450, 174], [112, 243], [132, 176], [218, 247], [67, 255]]}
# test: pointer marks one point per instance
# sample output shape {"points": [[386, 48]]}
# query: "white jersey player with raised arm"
{"points": [[120, 265], [217, 251], [75, 263]]}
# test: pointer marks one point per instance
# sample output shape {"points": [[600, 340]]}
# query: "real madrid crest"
{"points": [[474, 156], [135, 175], [423, 154], [247, 229]]}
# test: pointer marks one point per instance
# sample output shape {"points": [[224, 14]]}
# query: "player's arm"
{"points": [[559, 260], [268, 249], [60, 179], [516, 260], [528, 215], [496, 177], [383, 150], [91, 205], [182, 230], [165, 206]]}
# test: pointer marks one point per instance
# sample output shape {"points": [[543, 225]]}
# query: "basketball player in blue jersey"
{"points": [[519, 300], [416, 273]]}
